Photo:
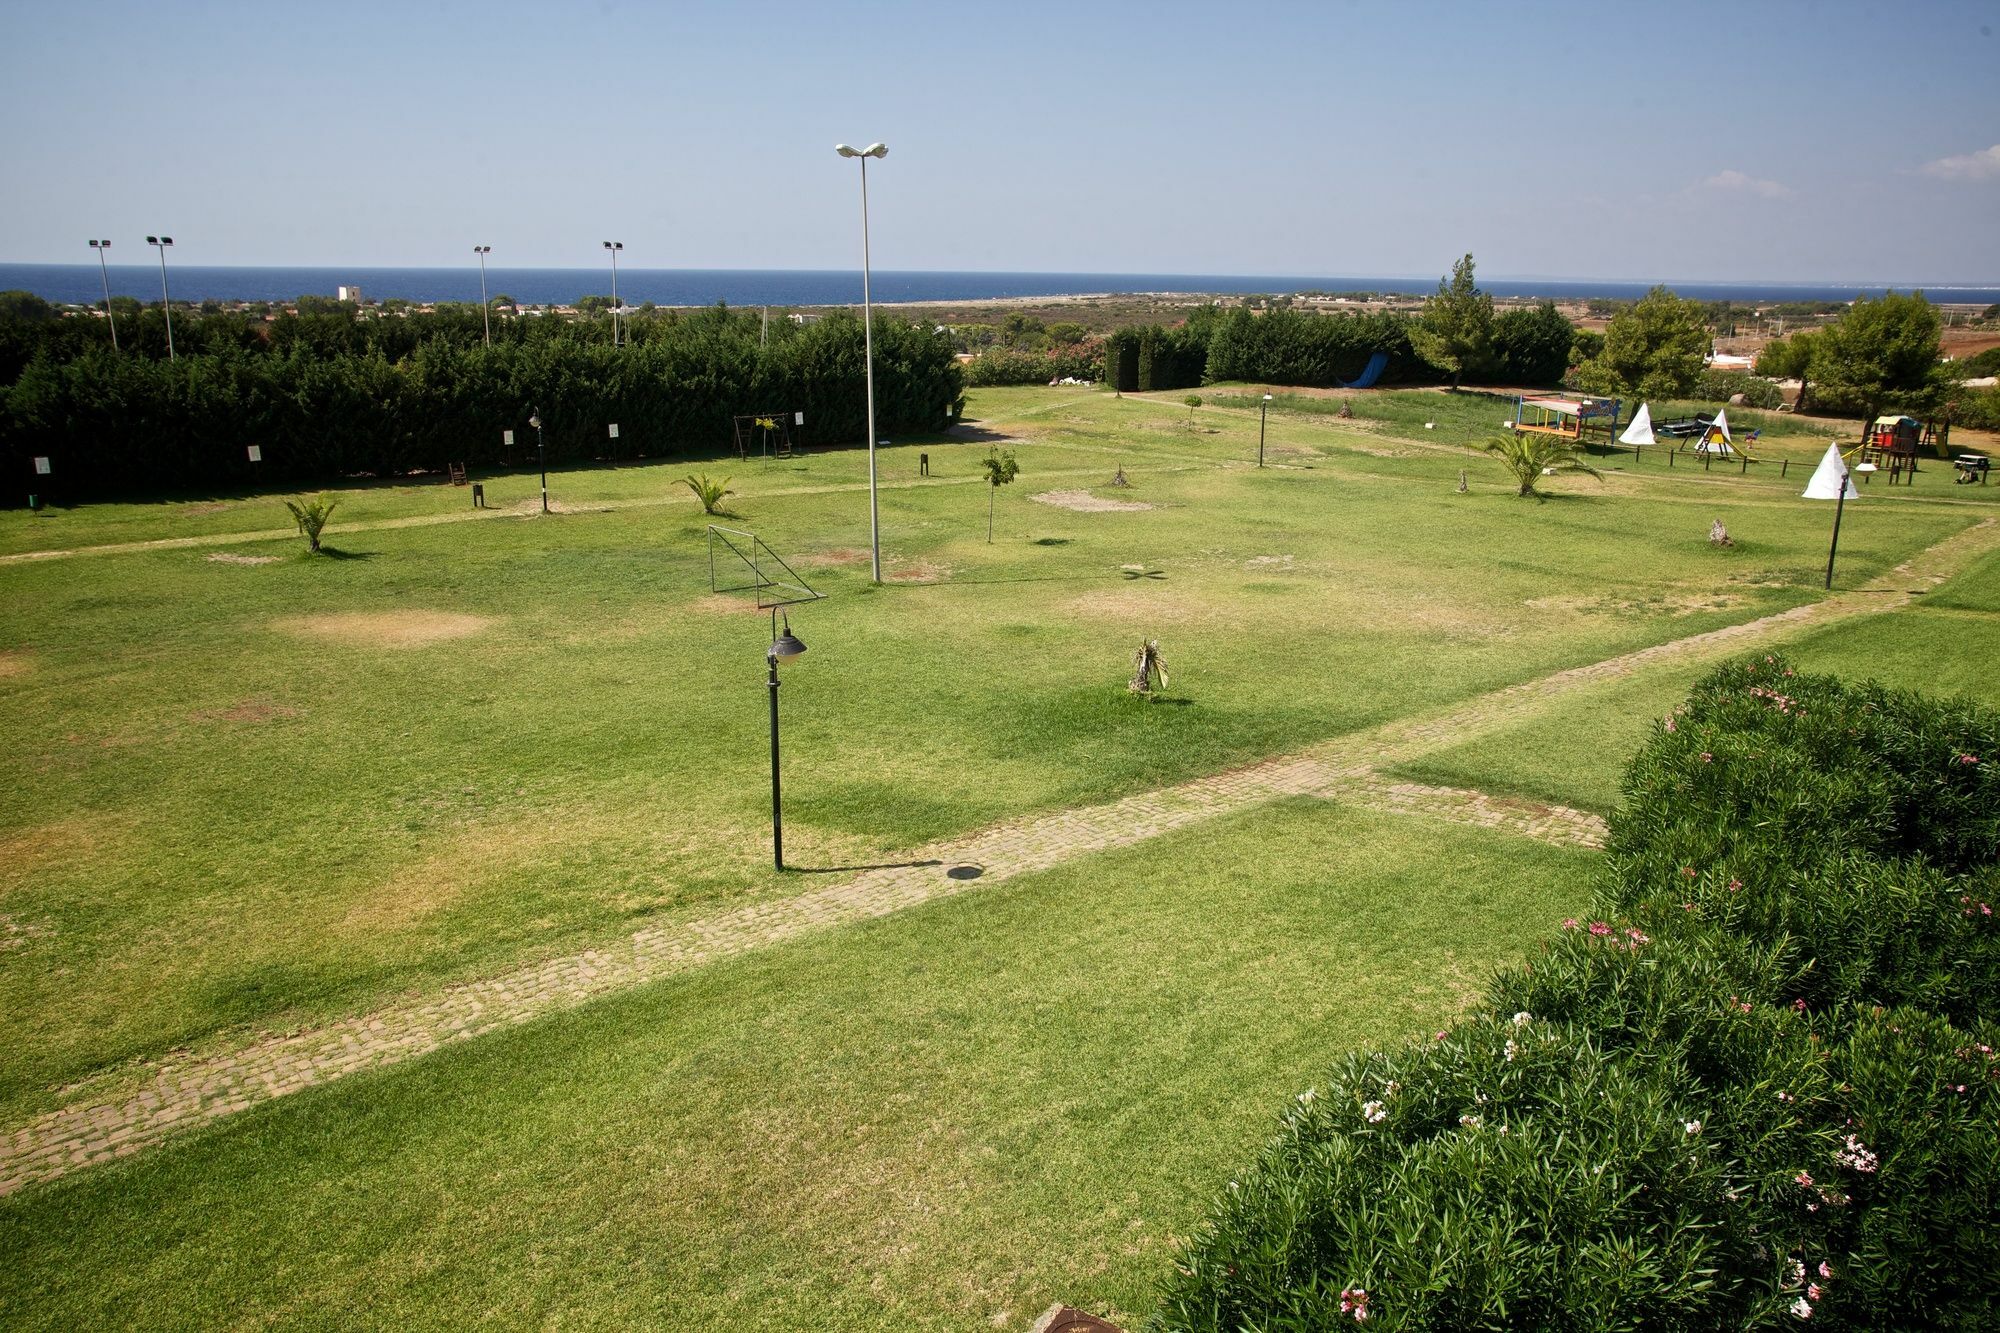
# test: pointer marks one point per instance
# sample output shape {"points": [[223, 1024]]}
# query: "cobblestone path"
{"points": [[203, 1089]]}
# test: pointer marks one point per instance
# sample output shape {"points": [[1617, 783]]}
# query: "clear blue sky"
{"points": [[1762, 139]]}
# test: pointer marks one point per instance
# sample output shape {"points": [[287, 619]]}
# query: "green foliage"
{"points": [[1653, 348], [1766, 1095], [1719, 386], [1315, 350], [1000, 470], [1530, 455], [1082, 360], [1978, 367], [311, 517], [1531, 346], [709, 492], [328, 398], [1457, 323], [1883, 353]]}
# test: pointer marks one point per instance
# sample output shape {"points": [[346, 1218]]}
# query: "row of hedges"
{"points": [[115, 424], [1759, 1090], [1011, 365]]}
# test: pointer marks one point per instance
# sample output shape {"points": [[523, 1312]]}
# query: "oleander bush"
{"points": [[1760, 1090]]}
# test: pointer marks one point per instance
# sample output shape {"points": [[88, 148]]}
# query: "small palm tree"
{"points": [[710, 493], [1000, 469], [1530, 456], [311, 516], [1193, 401]]}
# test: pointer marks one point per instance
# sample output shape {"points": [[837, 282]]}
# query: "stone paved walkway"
{"points": [[1347, 769]]}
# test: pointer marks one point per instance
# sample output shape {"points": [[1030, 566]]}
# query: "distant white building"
{"points": [[347, 294]]}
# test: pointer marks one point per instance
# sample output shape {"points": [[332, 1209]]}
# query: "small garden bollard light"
{"points": [[784, 647]]}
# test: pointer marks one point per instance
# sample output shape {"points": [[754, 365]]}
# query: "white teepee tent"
{"points": [[1641, 430], [1828, 477]]}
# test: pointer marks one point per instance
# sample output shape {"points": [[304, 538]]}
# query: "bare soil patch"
{"points": [[917, 571], [1674, 604], [387, 629], [231, 558], [1083, 502], [14, 662]]}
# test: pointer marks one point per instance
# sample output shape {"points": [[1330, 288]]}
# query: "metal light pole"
{"points": [[485, 306], [868, 343], [784, 647], [161, 243], [1262, 408], [105, 273], [542, 456], [614, 247]]}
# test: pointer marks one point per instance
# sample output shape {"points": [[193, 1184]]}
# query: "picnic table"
{"points": [[1971, 467]]}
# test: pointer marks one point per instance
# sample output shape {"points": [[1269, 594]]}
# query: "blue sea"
{"points": [[80, 284]]}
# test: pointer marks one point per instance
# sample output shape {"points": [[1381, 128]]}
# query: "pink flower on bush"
{"points": [[1736, 886], [1599, 929], [1802, 1308], [1687, 871], [1670, 722], [1637, 936], [1354, 1301], [1799, 1005], [1825, 1271], [1804, 1177], [1856, 1157], [1707, 758], [1787, 1097], [1968, 759], [1569, 923], [1813, 1292]]}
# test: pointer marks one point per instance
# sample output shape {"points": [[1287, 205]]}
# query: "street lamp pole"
{"points": [[784, 647], [1262, 409], [542, 456], [485, 307], [161, 243], [105, 273], [617, 339], [868, 343]]}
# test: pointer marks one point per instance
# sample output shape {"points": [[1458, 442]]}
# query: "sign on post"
{"points": [[41, 467], [798, 418], [614, 430], [256, 453], [507, 438]]}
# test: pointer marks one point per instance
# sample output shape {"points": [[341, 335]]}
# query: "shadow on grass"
{"points": [[335, 553]]}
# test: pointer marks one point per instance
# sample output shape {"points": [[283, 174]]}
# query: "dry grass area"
{"points": [[231, 558], [14, 662], [386, 629], [1083, 502]]}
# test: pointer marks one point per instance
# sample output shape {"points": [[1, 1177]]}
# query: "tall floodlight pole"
{"points": [[1263, 409], [161, 243], [617, 340], [105, 273], [868, 344], [485, 307]]}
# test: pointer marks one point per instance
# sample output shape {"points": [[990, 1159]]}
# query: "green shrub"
{"points": [[1767, 1094]]}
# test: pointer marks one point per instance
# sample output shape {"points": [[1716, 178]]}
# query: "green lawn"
{"points": [[948, 1117], [244, 797]]}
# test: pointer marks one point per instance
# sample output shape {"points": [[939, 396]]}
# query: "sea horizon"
{"points": [[83, 284]]}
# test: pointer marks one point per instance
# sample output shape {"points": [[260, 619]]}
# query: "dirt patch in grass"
{"points": [[842, 557], [231, 558], [916, 571], [387, 629], [250, 710], [1667, 604], [27, 852], [14, 662], [1083, 502]]}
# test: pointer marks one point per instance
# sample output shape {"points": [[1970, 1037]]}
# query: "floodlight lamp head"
{"points": [[876, 150], [152, 240], [845, 151]]}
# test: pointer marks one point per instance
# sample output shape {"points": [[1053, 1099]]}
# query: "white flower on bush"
{"points": [[1469, 1121], [1512, 1049], [1857, 1157], [1523, 1018], [1373, 1113], [1691, 1127], [1802, 1308], [1306, 1098]]}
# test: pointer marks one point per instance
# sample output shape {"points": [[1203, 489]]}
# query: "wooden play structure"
{"points": [[1892, 443], [1580, 419], [770, 433]]}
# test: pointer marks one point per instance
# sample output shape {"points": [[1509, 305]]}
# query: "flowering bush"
{"points": [[1761, 1088]]}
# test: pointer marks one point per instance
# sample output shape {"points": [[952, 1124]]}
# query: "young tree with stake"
{"points": [[1000, 470]]}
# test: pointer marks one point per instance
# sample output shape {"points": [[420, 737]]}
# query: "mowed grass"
{"points": [[245, 797], [944, 1119]]}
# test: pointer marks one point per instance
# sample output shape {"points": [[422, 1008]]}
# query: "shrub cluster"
{"points": [[1013, 365], [1760, 1089], [118, 423]]}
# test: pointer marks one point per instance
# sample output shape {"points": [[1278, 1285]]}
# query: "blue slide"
{"points": [[1376, 365]]}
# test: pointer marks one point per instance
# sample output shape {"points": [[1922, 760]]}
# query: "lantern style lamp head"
{"points": [[786, 645], [536, 421], [872, 150]]}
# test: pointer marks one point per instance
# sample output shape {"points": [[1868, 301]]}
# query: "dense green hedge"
{"points": [[1011, 365], [1760, 1090], [1286, 347], [122, 424]]}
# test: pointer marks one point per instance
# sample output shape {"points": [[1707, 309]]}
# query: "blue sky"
{"points": [[1760, 140]]}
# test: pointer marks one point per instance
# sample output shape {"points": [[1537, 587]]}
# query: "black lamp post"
{"points": [[1262, 408], [617, 337], [542, 456], [105, 273], [784, 647]]}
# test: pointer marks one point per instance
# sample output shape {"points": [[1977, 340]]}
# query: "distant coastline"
{"points": [[81, 284]]}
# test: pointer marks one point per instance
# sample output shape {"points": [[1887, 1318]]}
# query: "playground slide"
{"points": [[1366, 380]]}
